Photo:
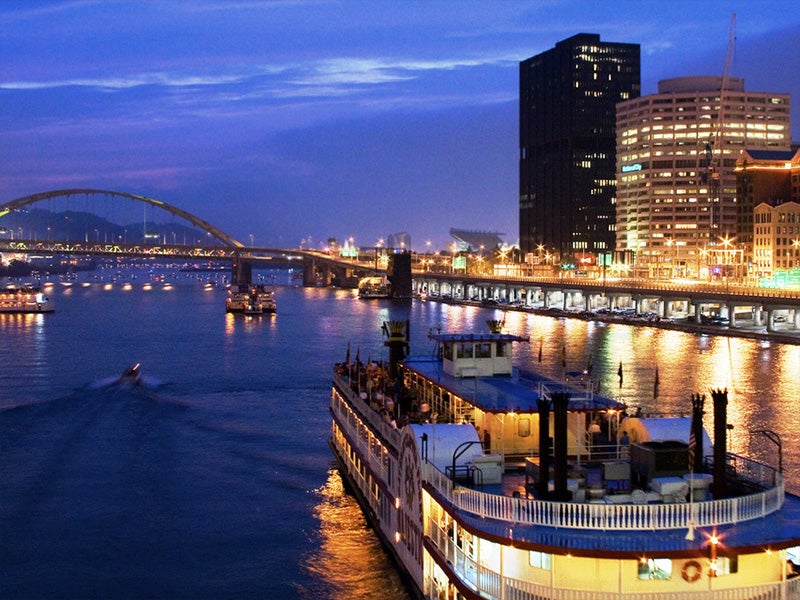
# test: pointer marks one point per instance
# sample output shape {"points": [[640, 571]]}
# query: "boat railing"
{"points": [[365, 411], [624, 517], [490, 583]]}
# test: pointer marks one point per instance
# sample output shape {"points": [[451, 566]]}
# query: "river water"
{"points": [[213, 478]]}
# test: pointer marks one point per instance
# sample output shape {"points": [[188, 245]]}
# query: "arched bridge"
{"points": [[217, 233], [212, 244]]}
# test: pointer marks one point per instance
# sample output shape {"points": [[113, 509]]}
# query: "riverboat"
{"points": [[25, 299], [254, 299], [374, 287], [484, 481]]}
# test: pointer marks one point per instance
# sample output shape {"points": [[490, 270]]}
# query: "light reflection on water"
{"points": [[346, 540]]}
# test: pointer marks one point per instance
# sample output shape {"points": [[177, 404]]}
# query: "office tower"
{"points": [[768, 211], [676, 189], [568, 96]]}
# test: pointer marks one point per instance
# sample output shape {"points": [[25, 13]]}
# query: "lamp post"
{"points": [[670, 244]]}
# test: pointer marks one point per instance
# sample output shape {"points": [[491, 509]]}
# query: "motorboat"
{"points": [[131, 375]]}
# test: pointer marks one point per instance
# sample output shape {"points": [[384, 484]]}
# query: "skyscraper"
{"points": [[676, 188], [568, 96]]}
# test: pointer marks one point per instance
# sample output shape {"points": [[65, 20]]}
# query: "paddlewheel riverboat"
{"points": [[485, 482], [25, 299]]}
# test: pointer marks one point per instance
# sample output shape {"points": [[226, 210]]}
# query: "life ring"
{"points": [[691, 571]]}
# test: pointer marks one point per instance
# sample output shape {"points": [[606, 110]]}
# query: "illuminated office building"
{"points": [[768, 224], [568, 96], [676, 188]]}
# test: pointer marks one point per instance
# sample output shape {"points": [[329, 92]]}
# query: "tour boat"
{"points": [[25, 299], [374, 287], [483, 481], [254, 299]]}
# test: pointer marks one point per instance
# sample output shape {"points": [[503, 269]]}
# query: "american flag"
{"points": [[692, 447]]}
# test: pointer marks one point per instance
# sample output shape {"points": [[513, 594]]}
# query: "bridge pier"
{"points": [[309, 273], [241, 271]]}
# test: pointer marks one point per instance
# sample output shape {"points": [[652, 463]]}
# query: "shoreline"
{"points": [[685, 325]]}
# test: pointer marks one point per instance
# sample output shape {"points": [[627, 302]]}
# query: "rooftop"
{"points": [[518, 392]]}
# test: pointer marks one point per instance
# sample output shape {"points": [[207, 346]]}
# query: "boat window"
{"points": [[540, 560], [727, 565], [483, 350], [501, 349], [465, 350], [655, 568], [524, 427], [448, 351]]}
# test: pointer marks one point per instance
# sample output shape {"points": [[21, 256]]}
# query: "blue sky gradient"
{"points": [[304, 119]]}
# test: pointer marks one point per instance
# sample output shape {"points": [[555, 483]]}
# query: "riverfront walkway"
{"points": [[784, 333]]}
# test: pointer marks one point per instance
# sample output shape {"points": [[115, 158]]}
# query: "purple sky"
{"points": [[294, 119]]}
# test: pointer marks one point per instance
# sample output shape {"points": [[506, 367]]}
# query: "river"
{"points": [[213, 478]]}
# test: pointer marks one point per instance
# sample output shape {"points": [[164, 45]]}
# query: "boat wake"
{"points": [[130, 377]]}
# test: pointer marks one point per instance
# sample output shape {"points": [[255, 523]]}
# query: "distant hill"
{"points": [[40, 224]]}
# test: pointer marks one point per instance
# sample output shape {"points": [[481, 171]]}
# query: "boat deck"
{"points": [[777, 530]]}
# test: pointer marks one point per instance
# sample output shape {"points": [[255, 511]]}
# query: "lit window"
{"points": [[655, 568], [540, 560]]}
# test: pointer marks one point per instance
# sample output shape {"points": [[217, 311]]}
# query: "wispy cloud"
{"points": [[329, 72]]}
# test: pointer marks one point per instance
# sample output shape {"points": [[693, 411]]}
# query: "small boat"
{"points": [[131, 374]]}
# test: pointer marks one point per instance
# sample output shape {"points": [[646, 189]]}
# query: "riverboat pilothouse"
{"points": [[483, 481]]}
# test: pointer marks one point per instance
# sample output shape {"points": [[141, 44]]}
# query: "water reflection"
{"points": [[350, 562]]}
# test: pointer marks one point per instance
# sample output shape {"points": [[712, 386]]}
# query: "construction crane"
{"points": [[715, 164]]}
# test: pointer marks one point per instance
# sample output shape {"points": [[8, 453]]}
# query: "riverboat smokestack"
{"points": [[560, 403], [397, 332], [719, 485], [543, 407], [696, 436]]}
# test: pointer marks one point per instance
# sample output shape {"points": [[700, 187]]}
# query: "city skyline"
{"points": [[290, 120]]}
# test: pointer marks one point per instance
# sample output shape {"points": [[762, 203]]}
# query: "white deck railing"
{"points": [[490, 584], [579, 515]]}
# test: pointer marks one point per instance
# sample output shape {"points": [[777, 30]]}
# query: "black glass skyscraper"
{"points": [[567, 144]]}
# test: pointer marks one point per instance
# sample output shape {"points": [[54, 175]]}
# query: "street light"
{"points": [[670, 243]]}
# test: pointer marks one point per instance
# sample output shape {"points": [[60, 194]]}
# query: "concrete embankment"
{"points": [[784, 336]]}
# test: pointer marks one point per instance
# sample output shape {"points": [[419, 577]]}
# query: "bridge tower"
{"points": [[241, 271], [399, 274]]}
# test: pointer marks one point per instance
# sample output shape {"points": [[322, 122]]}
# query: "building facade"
{"points": [[567, 159], [763, 176], [676, 189], [776, 239]]}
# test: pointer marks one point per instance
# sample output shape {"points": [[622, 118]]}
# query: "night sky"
{"points": [[296, 119]]}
